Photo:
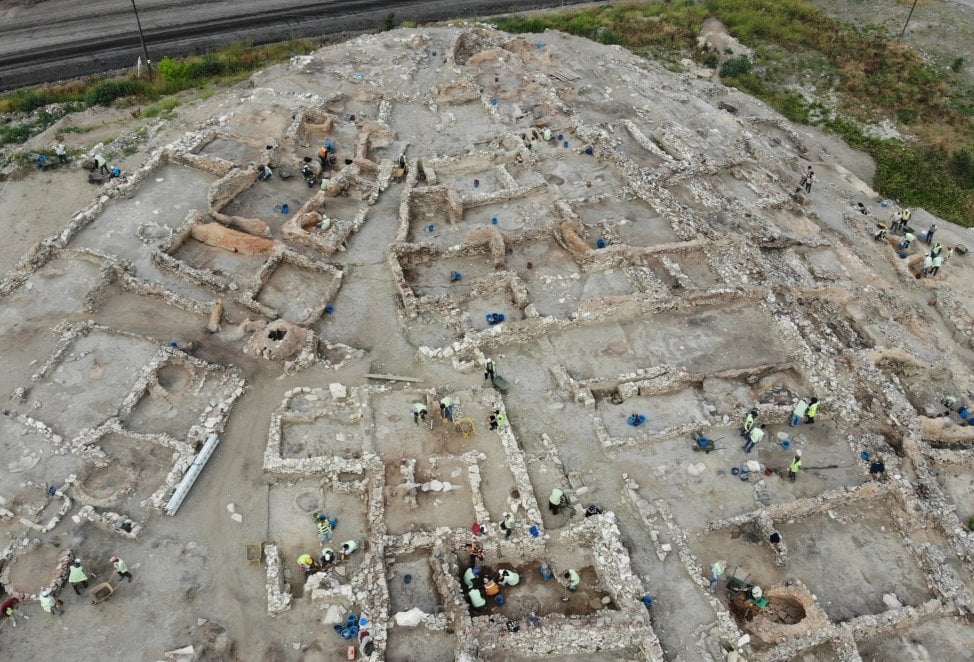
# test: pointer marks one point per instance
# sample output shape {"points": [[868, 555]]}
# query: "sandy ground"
{"points": [[191, 567]]}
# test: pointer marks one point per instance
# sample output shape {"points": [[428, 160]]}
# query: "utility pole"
{"points": [[145, 51], [904, 25]]}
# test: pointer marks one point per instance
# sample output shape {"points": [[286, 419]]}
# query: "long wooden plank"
{"points": [[395, 378]]}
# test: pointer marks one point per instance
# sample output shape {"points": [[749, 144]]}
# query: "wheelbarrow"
{"points": [[705, 444], [101, 592], [500, 383], [735, 584]]}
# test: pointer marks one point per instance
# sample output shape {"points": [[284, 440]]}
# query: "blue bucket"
{"points": [[493, 221], [285, 209], [963, 412], [864, 456], [430, 227], [329, 310], [362, 622], [744, 477], [346, 633], [785, 444], [499, 599], [407, 578], [600, 242], [735, 471], [339, 627]]}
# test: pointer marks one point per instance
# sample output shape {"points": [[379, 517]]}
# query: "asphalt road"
{"points": [[47, 40]]}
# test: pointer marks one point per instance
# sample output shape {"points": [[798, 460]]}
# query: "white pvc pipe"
{"points": [[192, 474]]}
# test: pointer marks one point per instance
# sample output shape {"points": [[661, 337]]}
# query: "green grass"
{"points": [[873, 79], [165, 107], [226, 65]]}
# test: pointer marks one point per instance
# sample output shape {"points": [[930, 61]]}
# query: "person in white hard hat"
{"points": [[50, 604], [795, 466]]}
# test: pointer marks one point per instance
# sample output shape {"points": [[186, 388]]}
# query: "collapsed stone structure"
{"points": [[637, 232]]}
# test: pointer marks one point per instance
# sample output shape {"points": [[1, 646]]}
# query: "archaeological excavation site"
{"points": [[449, 344]]}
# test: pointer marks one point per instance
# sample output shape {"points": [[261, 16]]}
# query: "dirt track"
{"points": [[57, 39]]}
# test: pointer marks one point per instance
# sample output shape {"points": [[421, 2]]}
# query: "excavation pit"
{"points": [[420, 591], [163, 202], [87, 384], [295, 529], [876, 562], [233, 151], [408, 644], [175, 400], [266, 200], [224, 263], [299, 295], [433, 508]]}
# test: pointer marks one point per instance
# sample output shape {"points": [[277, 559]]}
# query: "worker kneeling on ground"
{"points": [[556, 500], [470, 576], [348, 547], [419, 412], [307, 564], [477, 600], [508, 578]]}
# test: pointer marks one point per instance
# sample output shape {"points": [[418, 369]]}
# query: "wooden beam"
{"points": [[394, 378]]}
